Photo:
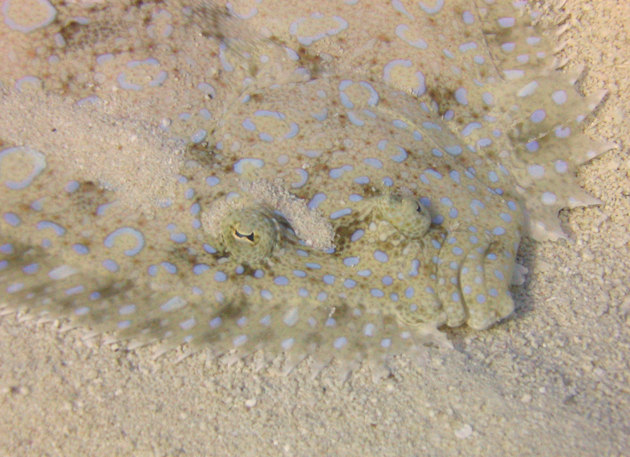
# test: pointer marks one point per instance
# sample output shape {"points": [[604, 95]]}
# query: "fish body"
{"points": [[335, 182]]}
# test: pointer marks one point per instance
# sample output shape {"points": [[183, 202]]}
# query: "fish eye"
{"points": [[245, 236], [250, 234]]}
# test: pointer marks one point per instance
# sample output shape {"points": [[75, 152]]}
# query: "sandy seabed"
{"points": [[551, 381]]}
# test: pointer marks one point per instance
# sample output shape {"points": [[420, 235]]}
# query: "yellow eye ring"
{"points": [[250, 235], [406, 214]]}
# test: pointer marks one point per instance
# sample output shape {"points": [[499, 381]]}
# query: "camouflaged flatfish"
{"points": [[330, 179]]}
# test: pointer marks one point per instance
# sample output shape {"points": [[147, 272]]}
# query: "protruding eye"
{"points": [[407, 214], [250, 234]]}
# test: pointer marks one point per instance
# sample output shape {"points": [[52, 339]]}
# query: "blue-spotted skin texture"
{"points": [[345, 111], [373, 141]]}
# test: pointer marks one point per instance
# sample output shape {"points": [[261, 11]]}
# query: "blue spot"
{"points": [[506, 22], [169, 267], [12, 219], [219, 276], [72, 186], [30, 269], [381, 256], [351, 261], [433, 173], [355, 120], [373, 162], [110, 265], [355, 198], [316, 200], [209, 249], [464, 48], [415, 264], [340, 342], [338, 172], [401, 156], [266, 294], [431, 125], [461, 95], [80, 249], [538, 116], [200, 268], [532, 146], [198, 136], [244, 164], [178, 237], [470, 128], [281, 281], [356, 236], [212, 181], [378, 293], [340, 213], [329, 279]]}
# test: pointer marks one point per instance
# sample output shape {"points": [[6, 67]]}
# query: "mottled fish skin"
{"points": [[338, 164], [425, 145]]}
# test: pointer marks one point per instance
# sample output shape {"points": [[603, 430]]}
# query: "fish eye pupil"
{"points": [[249, 236]]}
